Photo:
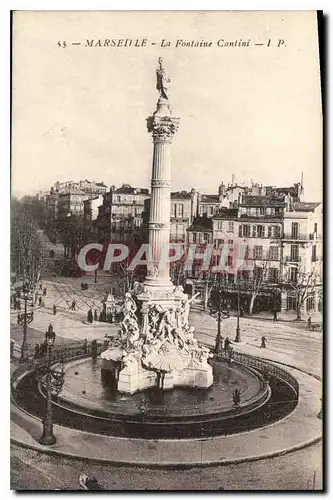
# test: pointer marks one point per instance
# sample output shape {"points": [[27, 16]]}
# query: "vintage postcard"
{"points": [[166, 297]]}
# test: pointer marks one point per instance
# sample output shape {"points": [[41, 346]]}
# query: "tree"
{"points": [[124, 277], [259, 276], [71, 232], [26, 244], [303, 285]]}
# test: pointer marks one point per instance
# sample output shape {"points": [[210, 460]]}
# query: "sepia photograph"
{"points": [[166, 251]]}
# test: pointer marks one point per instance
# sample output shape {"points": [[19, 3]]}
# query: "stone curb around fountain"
{"points": [[92, 446]]}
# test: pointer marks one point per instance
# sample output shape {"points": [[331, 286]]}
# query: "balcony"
{"points": [[263, 256], [298, 236]]}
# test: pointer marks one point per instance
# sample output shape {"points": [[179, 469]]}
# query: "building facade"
{"points": [[271, 242], [120, 216]]}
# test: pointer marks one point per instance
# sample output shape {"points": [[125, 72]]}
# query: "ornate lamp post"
{"points": [[25, 319], [238, 335], [52, 380], [221, 313]]}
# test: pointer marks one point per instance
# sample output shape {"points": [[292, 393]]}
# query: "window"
{"points": [[276, 232], [179, 209], [314, 253], [230, 227], [315, 228], [230, 242], [220, 225], [240, 230], [230, 261], [294, 253], [294, 230], [273, 253], [205, 237], [257, 272], [243, 251], [254, 231], [269, 232], [273, 274], [291, 303], [293, 274], [211, 210], [260, 231], [194, 237], [246, 230], [257, 253]]}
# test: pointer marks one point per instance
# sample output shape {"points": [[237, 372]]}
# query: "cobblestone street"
{"points": [[294, 471]]}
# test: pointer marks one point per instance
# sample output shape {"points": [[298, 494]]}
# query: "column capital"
{"points": [[160, 183], [162, 128]]}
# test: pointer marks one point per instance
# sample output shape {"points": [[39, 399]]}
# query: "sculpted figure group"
{"points": [[168, 333]]}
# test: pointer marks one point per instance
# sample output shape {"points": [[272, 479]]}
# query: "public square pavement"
{"points": [[69, 325], [287, 342]]}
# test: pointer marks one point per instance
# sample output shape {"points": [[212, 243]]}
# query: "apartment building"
{"points": [[120, 216]]}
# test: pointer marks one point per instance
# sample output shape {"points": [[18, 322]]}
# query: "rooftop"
{"points": [[127, 189], [226, 213], [303, 206], [180, 195], [209, 198], [201, 224], [263, 201]]}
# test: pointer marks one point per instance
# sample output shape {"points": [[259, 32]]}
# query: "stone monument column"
{"points": [[162, 125]]}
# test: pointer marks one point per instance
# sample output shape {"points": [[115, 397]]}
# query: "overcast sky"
{"points": [[80, 112]]}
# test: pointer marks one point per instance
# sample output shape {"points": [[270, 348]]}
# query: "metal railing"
{"points": [[297, 236], [289, 258], [263, 366]]}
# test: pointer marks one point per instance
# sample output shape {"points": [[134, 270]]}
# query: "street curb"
{"points": [[169, 465], [181, 465]]}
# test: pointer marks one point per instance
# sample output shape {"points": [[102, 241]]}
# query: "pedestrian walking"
{"points": [[45, 291], [227, 344], [54, 310], [275, 315], [40, 301], [95, 315], [309, 322], [73, 305], [263, 342], [85, 346], [41, 286], [94, 349], [230, 358], [37, 351], [90, 316]]}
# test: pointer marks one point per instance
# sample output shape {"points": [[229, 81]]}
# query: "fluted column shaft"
{"points": [[163, 128]]}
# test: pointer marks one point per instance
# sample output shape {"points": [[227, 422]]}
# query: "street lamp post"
{"points": [[24, 319], [222, 313], [238, 335], [52, 381]]}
